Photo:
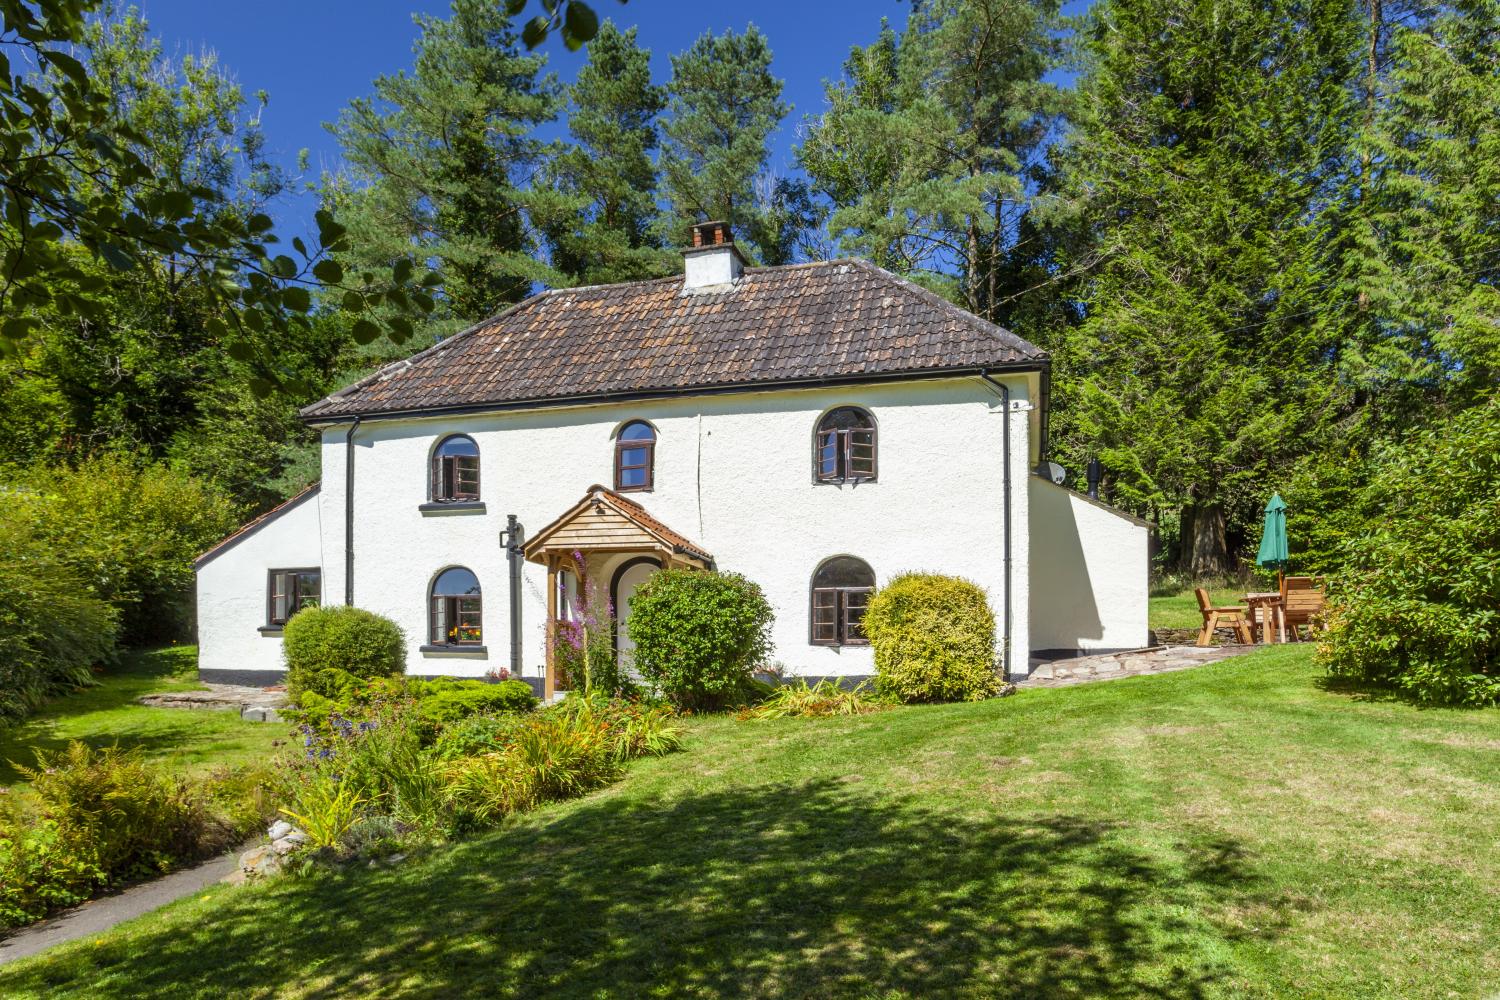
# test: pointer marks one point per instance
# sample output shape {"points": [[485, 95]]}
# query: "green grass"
{"points": [[1238, 830], [1181, 610], [107, 714]]}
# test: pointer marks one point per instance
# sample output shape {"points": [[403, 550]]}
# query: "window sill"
{"points": [[269, 630], [451, 507], [454, 650], [845, 482]]}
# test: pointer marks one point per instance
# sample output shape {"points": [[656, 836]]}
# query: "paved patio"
{"points": [[1110, 666]]}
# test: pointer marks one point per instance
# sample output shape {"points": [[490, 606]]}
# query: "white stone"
{"points": [[279, 829], [284, 845]]}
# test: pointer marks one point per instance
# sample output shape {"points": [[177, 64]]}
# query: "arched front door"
{"points": [[631, 574]]}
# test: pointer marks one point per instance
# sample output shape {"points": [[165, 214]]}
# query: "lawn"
{"points": [[1237, 830], [1181, 610], [107, 714]]}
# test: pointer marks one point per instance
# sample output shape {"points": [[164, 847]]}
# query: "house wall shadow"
{"points": [[814, 889]]}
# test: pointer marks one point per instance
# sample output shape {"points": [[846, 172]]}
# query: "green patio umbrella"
{"points": [[1272, 554]]}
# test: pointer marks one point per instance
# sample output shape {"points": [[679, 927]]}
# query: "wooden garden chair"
{"points": [[1216, 618], [1301, 601]]}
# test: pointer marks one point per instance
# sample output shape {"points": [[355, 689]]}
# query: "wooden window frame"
{"points": [[451, 609], [296, 596], [443, 475], [641, 444], [845, 441], [846, 632]]}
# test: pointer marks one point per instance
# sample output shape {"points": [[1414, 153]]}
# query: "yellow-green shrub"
{"points": [[933, 638]]}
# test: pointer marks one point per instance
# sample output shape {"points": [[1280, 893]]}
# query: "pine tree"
{"points": [[442, 159], [605, 230], [1210, 140], [935, 141], [723, 105]]}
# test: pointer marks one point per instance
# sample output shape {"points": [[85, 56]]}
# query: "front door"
{"points": [[628, 577]]}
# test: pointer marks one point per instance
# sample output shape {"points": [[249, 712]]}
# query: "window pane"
{"points": [[458, 445], [466, 478], [844, 418], [855, 603], [637, 431], [632, 477], [844, 571], [632, 457], [825, 616], [456, 582], [439, 620], [828, 455], [468, 619], [280, 595], [309, 590], [862, 453]]}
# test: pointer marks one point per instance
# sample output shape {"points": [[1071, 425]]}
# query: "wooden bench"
{"points": [[1301, 601]]}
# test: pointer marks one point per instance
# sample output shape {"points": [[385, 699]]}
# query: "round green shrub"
{"points": [[330, 649], [699, 636], [934, 639]]}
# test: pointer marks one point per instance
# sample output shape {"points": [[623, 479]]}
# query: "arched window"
{"points": [[454, 614], [455, 469], [841, 589], [635, 453], [844, 446]]}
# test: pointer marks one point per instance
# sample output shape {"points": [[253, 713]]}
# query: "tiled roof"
{"points": [[841, 320], [251, 527]]}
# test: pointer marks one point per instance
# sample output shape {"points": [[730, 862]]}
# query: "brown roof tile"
{"points": [[843, 320]]}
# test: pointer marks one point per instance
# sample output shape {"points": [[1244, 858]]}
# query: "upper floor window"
{"points": [[288, 591], [455, 616], [844, 446], [455, 469], [841, 589], [635, 454]]}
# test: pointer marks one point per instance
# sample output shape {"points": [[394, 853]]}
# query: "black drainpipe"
{"points": [[513, 541], [349, 513], [1005, 445]]}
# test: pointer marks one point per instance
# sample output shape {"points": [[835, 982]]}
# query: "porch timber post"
{"points": [[549, 682]]}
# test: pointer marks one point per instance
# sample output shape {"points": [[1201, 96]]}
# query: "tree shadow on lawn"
{"points": [[789, 890]]}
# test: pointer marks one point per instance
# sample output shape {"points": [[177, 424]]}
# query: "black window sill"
{"points": [[453, 649], [452, 507], [269, 630], [845, 482]]}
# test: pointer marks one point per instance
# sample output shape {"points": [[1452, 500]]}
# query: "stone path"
{"points": [[99, 915], [1155, 660], [253, 703]]}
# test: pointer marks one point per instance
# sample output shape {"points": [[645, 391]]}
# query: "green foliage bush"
{"points": [[132, 530], [106, 816], [330, 650], [52, 627], [1418, 607], [446, 700], [699, 636], [934, 639]]}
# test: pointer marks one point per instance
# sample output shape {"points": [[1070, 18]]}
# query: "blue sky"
{"points": [[313, 56]]}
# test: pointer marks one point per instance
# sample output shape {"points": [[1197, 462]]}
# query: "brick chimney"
{"points": [[712, 262]]}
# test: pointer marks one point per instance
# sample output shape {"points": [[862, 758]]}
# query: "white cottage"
{"points": [[816, 427]]}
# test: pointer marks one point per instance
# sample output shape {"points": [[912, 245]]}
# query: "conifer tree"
{"points": [[442, 160], [1210, 141], [605, 229], [723, 105]]}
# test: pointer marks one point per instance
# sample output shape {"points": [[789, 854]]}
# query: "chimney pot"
{"points": [[712, 259]]}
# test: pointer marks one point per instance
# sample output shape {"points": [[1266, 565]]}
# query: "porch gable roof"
{"points": [[607, 521]]}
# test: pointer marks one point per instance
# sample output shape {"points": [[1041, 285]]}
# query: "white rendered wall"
{"points": [[1088, 576], [232, 590], [733, 472]]}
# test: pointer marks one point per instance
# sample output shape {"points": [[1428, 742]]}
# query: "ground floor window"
{"points": [[841, 590], [288, 591], [455, 615]]}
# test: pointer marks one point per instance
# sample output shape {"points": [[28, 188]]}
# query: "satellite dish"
{"points": [[1053, 472]]}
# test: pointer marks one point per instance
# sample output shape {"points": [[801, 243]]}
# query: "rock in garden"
{"points": [[279, 829], [284, 845], [260, 861]]}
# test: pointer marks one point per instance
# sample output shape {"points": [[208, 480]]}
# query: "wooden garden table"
{"points": [[1271, 610]]}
